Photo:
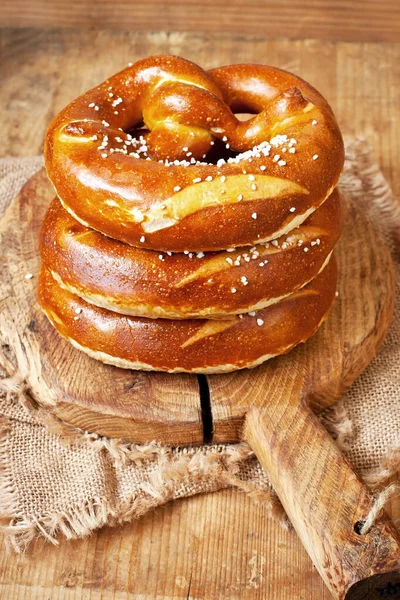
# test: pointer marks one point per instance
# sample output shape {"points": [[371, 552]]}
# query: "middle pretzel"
{"points": [[146, 283]]}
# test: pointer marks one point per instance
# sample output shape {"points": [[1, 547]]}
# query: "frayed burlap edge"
{"points": [[219, 464], [362, 176]]}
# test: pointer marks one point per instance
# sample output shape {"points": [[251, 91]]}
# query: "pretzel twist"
{"points": [[157, 187]]}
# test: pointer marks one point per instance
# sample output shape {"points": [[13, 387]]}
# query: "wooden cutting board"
{"points": [[268, 407]]}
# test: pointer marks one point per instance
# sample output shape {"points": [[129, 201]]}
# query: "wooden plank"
{"points": [[215, 540], [360, 20], [206, 548], [367, 103]]}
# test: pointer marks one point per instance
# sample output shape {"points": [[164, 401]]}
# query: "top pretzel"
{"points": [[156, 157]]}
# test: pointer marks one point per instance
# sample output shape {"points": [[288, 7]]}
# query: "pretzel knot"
{"points": [[184, 120], [156, 157]]}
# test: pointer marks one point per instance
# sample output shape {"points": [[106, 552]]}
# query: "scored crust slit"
{"points": [[147, 283], [191, 345], [183, 237]]}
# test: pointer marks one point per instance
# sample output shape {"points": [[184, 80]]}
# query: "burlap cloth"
{"points": [[52, 484]]}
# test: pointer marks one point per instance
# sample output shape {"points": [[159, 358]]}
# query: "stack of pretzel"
{"points": [[185, 237]]}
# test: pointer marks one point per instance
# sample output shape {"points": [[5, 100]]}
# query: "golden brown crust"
{"points": [[146, 283], [189, 345], [92, 160]]}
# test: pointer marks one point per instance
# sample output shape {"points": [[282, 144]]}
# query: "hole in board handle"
{"points": [[358, 527]]}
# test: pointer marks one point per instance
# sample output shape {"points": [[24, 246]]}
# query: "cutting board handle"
{"points": [[325, 501]]}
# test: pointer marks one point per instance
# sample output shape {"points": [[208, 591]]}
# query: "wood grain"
{"points": [[209, 547], [361, 20], [227, 546], [324, 499]]}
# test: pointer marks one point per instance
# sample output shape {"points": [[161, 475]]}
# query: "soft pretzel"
{"points": [[146, 283], [202, 346], [166, 186]]}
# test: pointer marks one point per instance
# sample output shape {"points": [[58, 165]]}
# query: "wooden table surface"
{"points": [[220, 546]]}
